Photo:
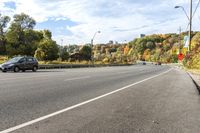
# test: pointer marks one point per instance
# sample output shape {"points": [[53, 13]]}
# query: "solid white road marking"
{"points": [[86, 77], [25, 77], [77, 105], [122, 72]]}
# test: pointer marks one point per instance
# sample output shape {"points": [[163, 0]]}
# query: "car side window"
{"points": [[30, 59], [22, 60]]}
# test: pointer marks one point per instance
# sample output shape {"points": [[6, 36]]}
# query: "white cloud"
{"points": [[117, 19]]}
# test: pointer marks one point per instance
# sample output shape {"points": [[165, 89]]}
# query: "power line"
{"points": [[194, 13], [196, 8]]}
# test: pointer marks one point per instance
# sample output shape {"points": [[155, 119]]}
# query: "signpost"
{"points": [[186, 42], [180, 57]]}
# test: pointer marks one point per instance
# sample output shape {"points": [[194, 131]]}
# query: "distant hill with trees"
{"points": [[20, 38]]}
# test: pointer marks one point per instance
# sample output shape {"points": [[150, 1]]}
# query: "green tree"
{"points": [[39, 54], [150, 45], [4, 20], [21, 36], [64, 56], [195, 40], [86, 52], [63, 53], [141, 45], [47, 34], [47, 48]]}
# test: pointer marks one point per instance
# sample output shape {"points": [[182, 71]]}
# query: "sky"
{"points": [[76, 21]]}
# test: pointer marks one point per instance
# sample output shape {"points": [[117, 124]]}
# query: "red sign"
{"points": [[181, 56]]}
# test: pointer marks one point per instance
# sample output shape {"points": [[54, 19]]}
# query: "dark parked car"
{"points": [[158, 63], [20, 63]]}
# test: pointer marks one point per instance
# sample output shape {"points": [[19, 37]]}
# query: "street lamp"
{"points": [[92, 40], [183, 11], [190, 22], [60, 48]]}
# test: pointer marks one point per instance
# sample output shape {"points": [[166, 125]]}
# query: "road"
{"points": [[141, 99]]}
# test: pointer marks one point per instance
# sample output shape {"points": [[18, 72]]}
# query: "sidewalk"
{"points": [[196, 79]]}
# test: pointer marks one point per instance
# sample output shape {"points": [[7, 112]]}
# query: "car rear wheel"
{"points": [[16, 69], [35, 68]]}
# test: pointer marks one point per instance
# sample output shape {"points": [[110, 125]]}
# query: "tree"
{"points": [[63, 52], [126, 50], [86, 52], [64, 56], [21, 36], [150, 45], [141, 46], [4, 20], [195, 40], [39, 54], [47, 34], [47, 50]]}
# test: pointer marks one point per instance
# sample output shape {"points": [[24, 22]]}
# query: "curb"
{"points": [[62, 66], [195, 82]]}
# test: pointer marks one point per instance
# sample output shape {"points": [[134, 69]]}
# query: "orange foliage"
{"points": [[126, 50]]}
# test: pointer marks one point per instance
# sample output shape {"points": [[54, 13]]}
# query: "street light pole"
{"points": [[190, 30], [190, 22], [179, 40], [92, 41], [183, 11], [60, 49]]}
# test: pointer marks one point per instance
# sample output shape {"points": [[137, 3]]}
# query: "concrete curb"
{"points": [[62, 66], [196, 80]]}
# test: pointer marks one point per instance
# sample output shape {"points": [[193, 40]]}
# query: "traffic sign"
{"points": [[181, 56]]}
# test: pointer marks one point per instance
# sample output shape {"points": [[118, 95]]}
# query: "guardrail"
{"points": [[61, 66]]}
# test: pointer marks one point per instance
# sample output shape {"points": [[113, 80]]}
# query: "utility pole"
{"points": [[180, 40], [92, 41], [91, 58], [190, 22], [60, 49], [190, 30]]}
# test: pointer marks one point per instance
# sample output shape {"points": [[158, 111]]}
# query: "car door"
{"points": [[22, 63], [30, 63]]}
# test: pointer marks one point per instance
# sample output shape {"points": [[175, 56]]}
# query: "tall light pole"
{"points": [[190, 22], [183, 11], [179, 40], [92, 40], [60, 49], [190, 30]]}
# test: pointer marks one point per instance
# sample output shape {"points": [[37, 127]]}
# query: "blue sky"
{"points": [[76, 21]]}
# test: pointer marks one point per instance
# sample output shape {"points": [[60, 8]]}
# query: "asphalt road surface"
{"points": [[132, 99]]}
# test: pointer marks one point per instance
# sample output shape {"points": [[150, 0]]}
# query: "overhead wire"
{"points": [[194, 13], [196, 8]]}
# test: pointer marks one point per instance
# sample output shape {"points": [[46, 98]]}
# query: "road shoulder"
{"points": [[196, 79]]}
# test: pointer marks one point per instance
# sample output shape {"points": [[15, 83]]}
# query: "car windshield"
{"points": [[14, 60]]}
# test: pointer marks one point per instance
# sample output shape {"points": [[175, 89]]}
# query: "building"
{"points": [[142, 35]]}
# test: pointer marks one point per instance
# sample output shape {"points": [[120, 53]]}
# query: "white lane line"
{"points": [[129, 72], [86, 77], [77, 105], [122, 72], [30, 77]]}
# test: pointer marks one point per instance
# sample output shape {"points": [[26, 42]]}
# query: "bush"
{"points": [[64, 56], [3, 59], [106, 60]]}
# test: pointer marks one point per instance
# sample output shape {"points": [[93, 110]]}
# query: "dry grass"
{"points": [[63, 62], [194, 71], [3, 59]]}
